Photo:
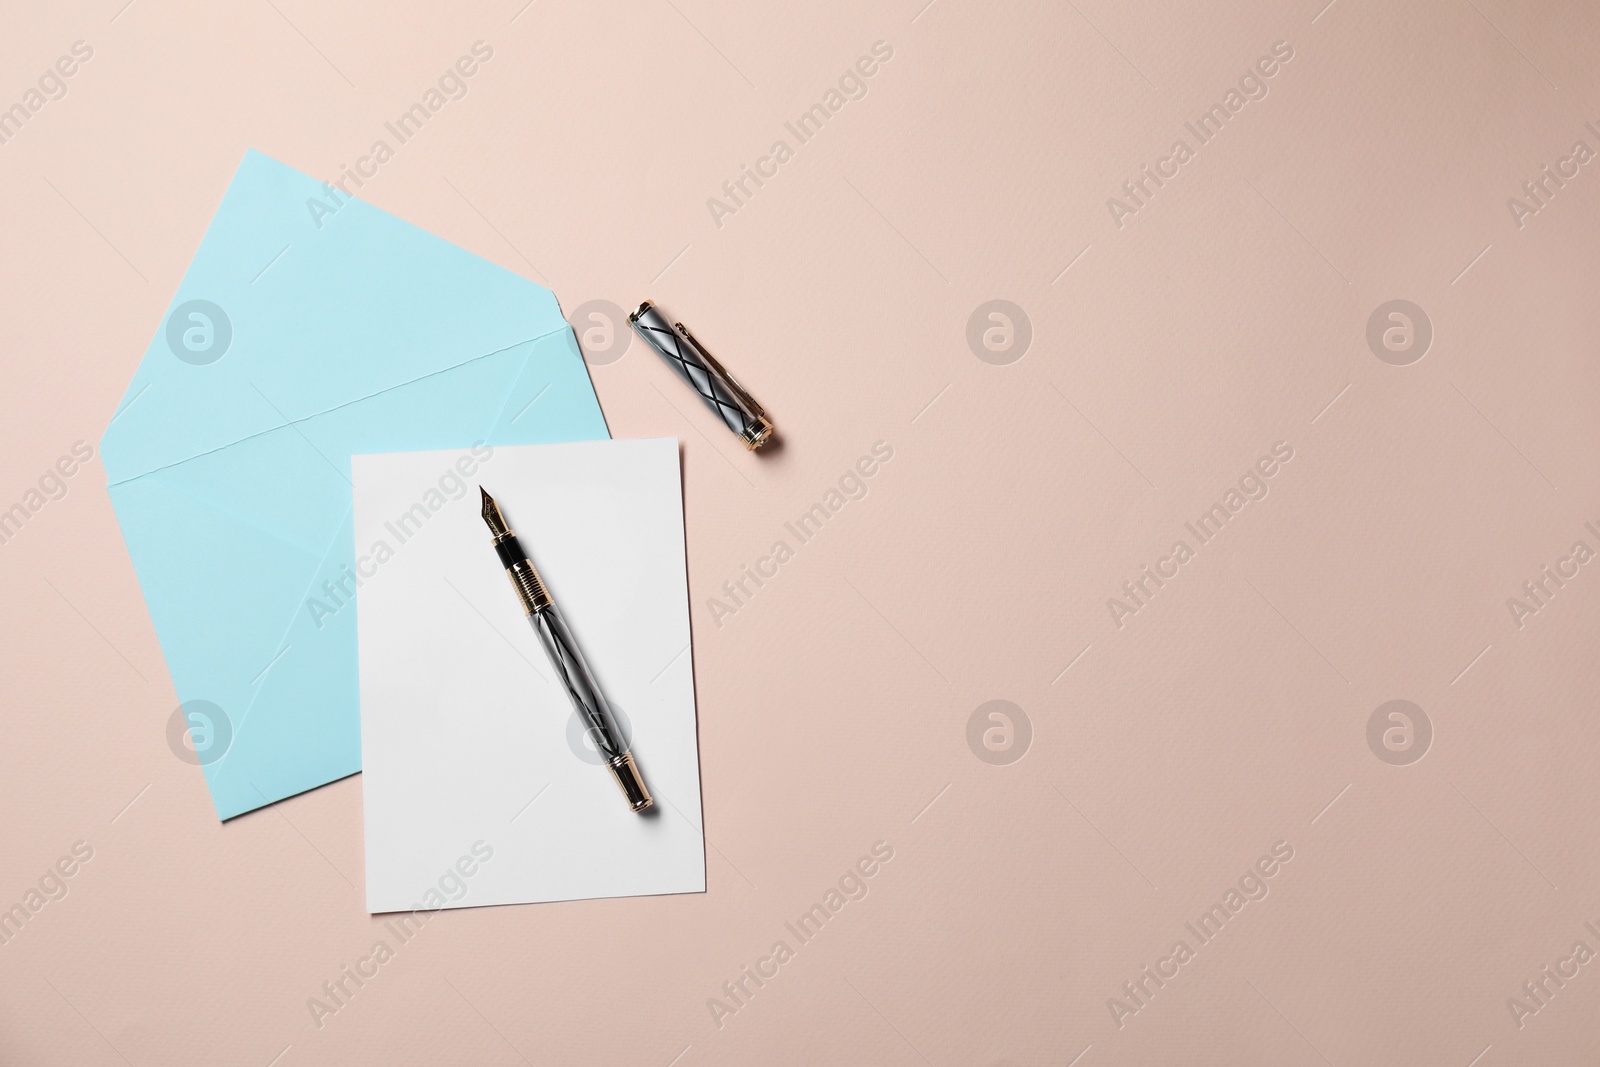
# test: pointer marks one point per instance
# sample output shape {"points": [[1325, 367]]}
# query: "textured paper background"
{"points": [[1162, 759]]}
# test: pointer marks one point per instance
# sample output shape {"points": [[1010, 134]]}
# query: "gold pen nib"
{"points": [[492, 517]]}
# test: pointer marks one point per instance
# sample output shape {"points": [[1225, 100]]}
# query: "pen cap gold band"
{"points": [[758, 433], [631, 781]]}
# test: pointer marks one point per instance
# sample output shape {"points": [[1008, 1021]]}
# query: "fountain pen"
{"points": [[559, 645]]}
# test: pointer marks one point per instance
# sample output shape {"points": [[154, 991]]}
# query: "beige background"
{"points": [[1166, 756]]}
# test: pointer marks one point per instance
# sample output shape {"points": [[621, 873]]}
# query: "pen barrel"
{"points": [[632, 782], [720, 391], [574, 675]]}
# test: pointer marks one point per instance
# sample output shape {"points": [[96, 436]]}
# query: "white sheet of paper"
{"points": [[468, 745]]}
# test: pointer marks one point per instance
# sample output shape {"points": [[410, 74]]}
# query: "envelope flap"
{"points": [[289, 310]]}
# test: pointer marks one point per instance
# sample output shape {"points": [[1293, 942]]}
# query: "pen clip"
{"points": [[755, 409]]}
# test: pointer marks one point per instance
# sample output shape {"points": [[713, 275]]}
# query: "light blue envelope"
{"points": [[309, 327]]}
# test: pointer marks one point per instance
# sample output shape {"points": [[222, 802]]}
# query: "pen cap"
{"points": [[720, 391]]}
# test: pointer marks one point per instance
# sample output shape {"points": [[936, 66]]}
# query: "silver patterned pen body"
{"points": [[720, 390], [568, 662]]}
